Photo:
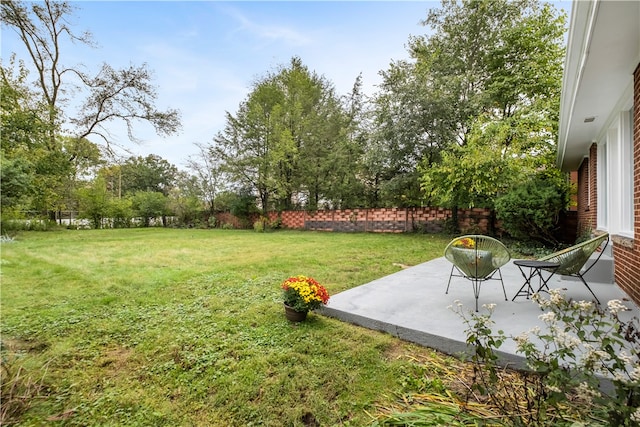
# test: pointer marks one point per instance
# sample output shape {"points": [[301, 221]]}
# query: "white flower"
{"points": [[583, 305], [593, 356], [566, 340], [522, 339], [626, 358], [586, 392], [548, 317], [535, 330], [615, 306], [489, 307], [635, 374], [619, 376], [543, 303], [636, 415], [556, 297]]}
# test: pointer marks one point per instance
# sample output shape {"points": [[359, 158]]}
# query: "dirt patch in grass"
{"points": [[14, 346], [116, 358]]}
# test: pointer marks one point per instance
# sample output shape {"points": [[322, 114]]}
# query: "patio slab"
{"points": [[412, 305]]}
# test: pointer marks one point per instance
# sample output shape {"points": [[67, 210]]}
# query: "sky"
{"points": [[205, 55]]}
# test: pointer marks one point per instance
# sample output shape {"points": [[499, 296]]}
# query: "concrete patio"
{"points": [[412, 305]]}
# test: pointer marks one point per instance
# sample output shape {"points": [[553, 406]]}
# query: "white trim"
{"points": [[585, 12], [624, 103], [603, 186]]}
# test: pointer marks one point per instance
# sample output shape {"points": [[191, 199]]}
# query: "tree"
{"points": [[286, 139], [148, 205], [531, 209], [150, 173], [93, 202], [185, 201], [16, 182], [60, 145], [21, 133], [488, 81], [126, 95], [210, 176], [403, 135]]}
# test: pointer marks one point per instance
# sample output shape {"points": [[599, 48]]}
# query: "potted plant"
{"points": [[301, 294]]}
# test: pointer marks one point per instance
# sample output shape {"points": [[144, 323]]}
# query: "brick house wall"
{"points": [[626, 251], [587, 192]]}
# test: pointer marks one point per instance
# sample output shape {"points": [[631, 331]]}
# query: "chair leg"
{"points": [[503, 290], [585, 283], [450, 276], [476, 290]]}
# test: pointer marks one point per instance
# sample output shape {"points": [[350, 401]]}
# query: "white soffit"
{"points": [[602, 53]]}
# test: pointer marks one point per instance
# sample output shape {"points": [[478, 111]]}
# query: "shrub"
{"points": [[121, 212], [566, 361], [531, 210], [261, 225]]}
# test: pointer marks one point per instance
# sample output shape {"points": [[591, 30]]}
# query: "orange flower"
{"points": [[304, 293]]}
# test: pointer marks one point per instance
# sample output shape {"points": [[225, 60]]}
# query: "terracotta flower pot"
{"points": [[294, 316]]}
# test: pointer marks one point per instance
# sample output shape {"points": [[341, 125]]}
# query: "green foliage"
{"points": [[567, 360], [150, 173], [261, 225], [120, 211], [530, 210], [16, 179], [149, 205], [288, 143], [243, 206], [14, 221], [94, 202], [486, 111], [469, 176]]}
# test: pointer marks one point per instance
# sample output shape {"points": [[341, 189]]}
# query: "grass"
{"points": [[186, 327]]}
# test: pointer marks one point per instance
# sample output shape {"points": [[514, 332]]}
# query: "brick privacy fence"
{"points": [[384, 220], [395, 220]]}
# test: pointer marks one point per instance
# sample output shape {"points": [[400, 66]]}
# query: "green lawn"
{"points": [[186, 327]]}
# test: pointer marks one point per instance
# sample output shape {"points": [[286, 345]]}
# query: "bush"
{"points": [[566, 360], [531, 210], [121, 212], [261, 225]]}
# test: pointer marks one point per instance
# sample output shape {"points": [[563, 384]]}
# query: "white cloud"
{"points": [[269, 33]]}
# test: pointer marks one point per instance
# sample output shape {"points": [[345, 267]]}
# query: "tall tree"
{"points": [[280, 140], [247, 144], [510, 95], [21, 133], [150, 173], [210, 178], [478, 96], [125, 95]]}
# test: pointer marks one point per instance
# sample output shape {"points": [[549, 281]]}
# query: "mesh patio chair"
{"points": [[477, 258], [573, 259]]}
